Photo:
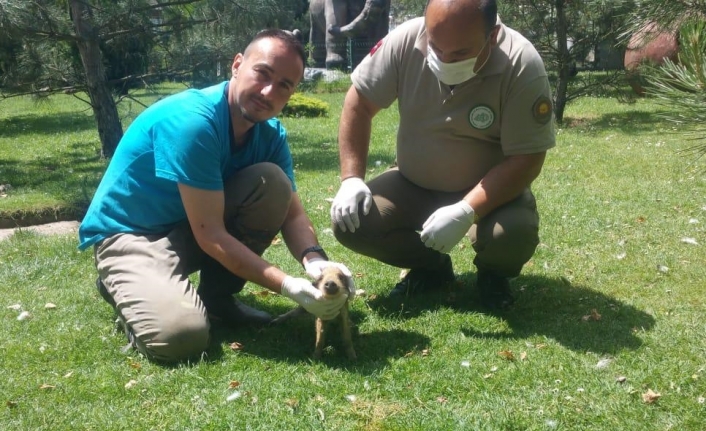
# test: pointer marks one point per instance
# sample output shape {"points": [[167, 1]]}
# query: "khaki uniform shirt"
{"points": [[448, 139]]}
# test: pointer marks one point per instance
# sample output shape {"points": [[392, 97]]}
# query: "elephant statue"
{"points": [[335, 22]]}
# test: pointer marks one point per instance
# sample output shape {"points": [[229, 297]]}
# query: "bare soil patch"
{"points": [[56, 228]]}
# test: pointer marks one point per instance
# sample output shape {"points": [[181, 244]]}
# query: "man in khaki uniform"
{"points": [[475, 124]]}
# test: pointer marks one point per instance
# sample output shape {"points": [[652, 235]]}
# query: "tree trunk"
{"points": [[564, 62], [104, 109]]}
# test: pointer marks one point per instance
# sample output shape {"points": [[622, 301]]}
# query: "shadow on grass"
{"points": [[543, 306], [293, 342], [71, 180], [630, 122], [47, 124]]}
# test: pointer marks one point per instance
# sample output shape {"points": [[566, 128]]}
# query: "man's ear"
{"points": [[494, 35], [237, 62]]}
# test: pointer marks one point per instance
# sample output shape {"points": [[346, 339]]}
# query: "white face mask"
{"points": [[452, 73]]}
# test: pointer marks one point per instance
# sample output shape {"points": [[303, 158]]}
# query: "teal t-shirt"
{"points": [[184, 138]]}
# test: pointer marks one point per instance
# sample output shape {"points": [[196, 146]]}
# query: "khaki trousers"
{"points": [[503, 240], [148, 275]]}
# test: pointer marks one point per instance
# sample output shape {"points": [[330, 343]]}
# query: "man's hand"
{"points": [[447, 226], [314, 266], [305, 294], [344, 210]]}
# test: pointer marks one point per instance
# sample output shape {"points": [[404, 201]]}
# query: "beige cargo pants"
{"points": [[148, 275], [503, 240]]}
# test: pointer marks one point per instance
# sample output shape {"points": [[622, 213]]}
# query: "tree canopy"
{"points": [[105, 47]]}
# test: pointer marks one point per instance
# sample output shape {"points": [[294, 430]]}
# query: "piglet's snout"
{"points": [[331, 288]]}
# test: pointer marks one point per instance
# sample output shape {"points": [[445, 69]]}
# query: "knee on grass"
{"points": [[185, 338]]}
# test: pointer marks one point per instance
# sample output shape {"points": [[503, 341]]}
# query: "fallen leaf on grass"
{"points": [[691, 241], [276, 240], [47, 386], [523, 356], [11, 404], [425, 352], [16, 307], [507, 354], [442, 400], [234, 396], [263, 293], [351, 398], [621, 379], [24, 316], [701, 400], [135, 365], [69, 374], [233, 384], [292, 403], [130, 384], [49, 306], [650, 396], [603, 363], [235, 346], [595, 316]]}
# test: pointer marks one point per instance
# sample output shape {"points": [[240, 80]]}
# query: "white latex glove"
{"points": [[305, 294], [344, 209], [447, 226], [314, 266]]}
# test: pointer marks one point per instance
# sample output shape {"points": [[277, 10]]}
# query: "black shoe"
{"points": [[233, 313], [421, 280], [104, 292], [494, 291]]}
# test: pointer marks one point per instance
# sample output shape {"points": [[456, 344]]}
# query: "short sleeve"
{"points": [[527, 117], [187, 149]]}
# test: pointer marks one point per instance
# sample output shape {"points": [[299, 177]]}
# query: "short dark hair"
{"points": [[286, 37], [489, 10]]}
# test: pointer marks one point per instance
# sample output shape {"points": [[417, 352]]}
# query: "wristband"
{"points": [[317, 249]]}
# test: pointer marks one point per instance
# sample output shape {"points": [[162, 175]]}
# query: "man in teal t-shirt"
{"points": [[203, 180]]}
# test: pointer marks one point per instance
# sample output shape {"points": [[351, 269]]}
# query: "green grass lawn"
{"points": [[610, 308]]}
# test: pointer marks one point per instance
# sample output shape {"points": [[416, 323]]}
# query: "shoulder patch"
{"points": [[375, 47], [542, 110]]}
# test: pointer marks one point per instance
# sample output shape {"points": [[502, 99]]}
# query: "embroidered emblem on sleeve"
{"points": [[481, 117], [542, 110], [375, 47]]}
